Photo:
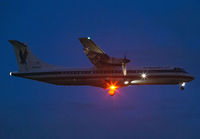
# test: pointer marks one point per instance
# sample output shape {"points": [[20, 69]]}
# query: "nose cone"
{"points": [[190, 78]]}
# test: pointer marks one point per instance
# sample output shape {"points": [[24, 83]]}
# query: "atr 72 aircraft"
{"points": [[108, 72]]}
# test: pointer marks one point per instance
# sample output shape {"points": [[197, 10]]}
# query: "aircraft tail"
{"points": [[27, 61]]}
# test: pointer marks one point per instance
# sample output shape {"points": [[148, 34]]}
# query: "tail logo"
{"points": [[23, 56]]}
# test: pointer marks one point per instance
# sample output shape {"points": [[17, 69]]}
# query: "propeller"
{"points": [[124, 69], [124, 65]]}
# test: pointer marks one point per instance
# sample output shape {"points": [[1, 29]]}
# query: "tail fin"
{"points": [[26, 60]]}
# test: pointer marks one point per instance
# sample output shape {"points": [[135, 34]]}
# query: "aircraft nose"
{"points": [[191, 78]]}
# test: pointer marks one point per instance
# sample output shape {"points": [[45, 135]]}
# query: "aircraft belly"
{"points": [[70, 81]]}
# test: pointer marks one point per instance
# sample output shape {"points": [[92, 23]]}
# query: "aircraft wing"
{"points": [[96, 55]]}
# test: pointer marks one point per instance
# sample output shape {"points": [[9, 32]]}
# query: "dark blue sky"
{"points": [[151, 33]]}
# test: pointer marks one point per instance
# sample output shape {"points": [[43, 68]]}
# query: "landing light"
{"points": [[88, 38], [143, 75], [133, 81], [126, 82], [183, 84], [10, 73]]}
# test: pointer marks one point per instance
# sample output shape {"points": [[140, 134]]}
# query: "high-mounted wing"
{"points": [[99, 58], [96, 55]]}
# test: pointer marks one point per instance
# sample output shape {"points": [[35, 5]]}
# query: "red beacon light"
{"points": [[112, 89]]}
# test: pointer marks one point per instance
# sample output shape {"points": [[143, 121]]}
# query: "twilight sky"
{"points": [[151, 33]]}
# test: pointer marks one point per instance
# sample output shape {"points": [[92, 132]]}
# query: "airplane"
{"points": [[108, 72]]}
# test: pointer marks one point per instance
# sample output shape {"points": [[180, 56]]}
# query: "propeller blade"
{"points": [[124, 69]]}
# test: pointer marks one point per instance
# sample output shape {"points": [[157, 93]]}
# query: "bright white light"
{"points": [[183, 84], [126, 82], [136, 81], [113, 87], [133, 81], [88, 38], [10, 73], [143, 75]]}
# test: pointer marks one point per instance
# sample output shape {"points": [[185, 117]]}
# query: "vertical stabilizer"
{"points": [[27, 61]]}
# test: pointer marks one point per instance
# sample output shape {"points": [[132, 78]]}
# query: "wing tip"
{"points": [[85, 38], [16, 43]]}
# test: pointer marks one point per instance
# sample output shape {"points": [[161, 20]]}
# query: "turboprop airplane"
{"points": [[108, 72]]}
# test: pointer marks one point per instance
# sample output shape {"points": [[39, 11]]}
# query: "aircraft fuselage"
{"points": [[100, 78]]}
